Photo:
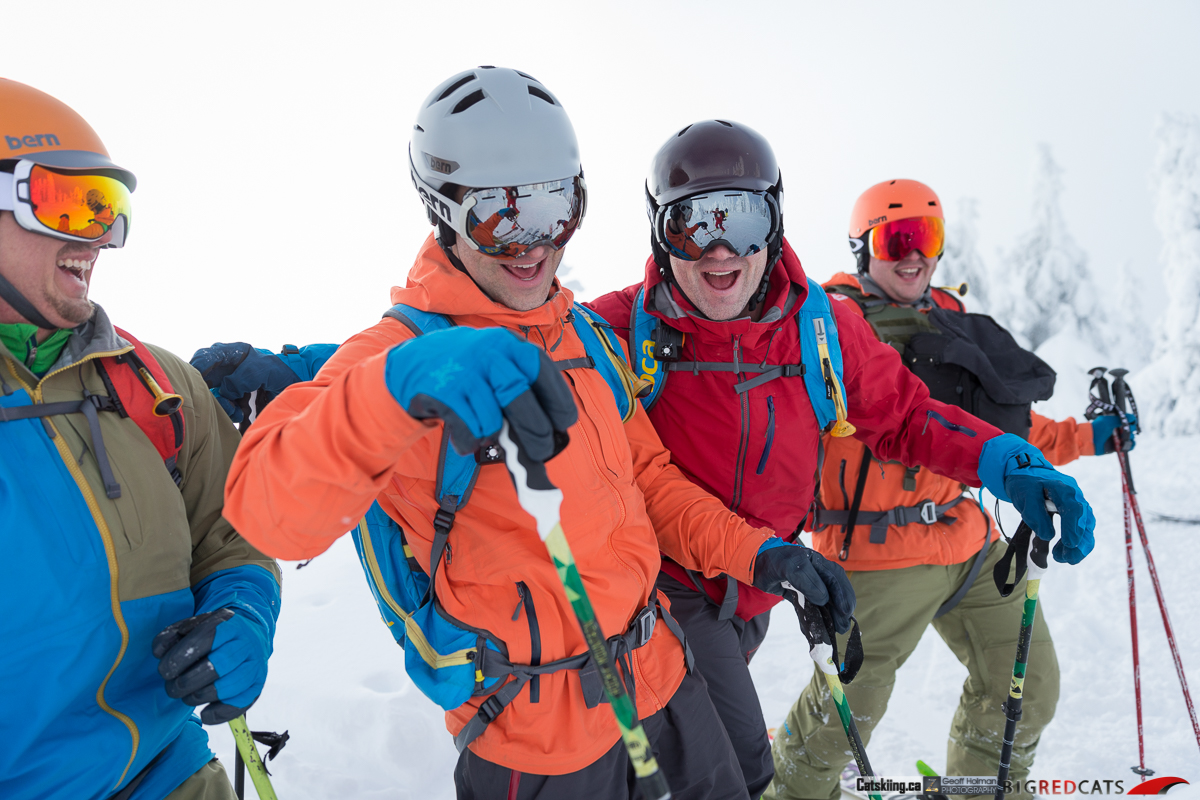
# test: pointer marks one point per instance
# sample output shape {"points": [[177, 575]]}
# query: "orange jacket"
{"points": [[910, 545], [324, 450]]}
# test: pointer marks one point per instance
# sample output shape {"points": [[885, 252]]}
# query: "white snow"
{"points": [[361, 730]]}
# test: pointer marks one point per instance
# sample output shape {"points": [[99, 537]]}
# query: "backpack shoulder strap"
{"points": [[456, 474], [646, 334], [822, 357], [143, 393], [604, 351]]}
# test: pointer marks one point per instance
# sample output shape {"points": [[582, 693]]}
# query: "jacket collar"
{"points": [[434, 285], [97, 335]]}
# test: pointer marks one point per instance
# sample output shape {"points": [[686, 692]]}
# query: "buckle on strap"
{"points": [[928, 512], [642, 626], [490, 709], [443, 520]]}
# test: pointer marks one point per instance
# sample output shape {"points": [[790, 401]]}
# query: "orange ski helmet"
{"points": [[39, 128], [888, 202]]}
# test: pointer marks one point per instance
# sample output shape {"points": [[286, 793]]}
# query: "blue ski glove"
{"points": [[218, 658], [820, 581], [1017, 472], [470, 377], [1102, 433], [236, 370]]}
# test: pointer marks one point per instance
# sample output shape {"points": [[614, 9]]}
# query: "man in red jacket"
{"points": [[735, 306]]}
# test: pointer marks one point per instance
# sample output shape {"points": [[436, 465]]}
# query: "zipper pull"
{"points": [[517, 610], [31, 350]]}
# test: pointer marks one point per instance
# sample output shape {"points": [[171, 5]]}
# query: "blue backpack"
{"points": [[449, 662]]}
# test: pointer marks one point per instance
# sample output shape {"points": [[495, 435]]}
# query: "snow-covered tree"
{"points": [[1044, 283], [961, 262], [1169, 389]]}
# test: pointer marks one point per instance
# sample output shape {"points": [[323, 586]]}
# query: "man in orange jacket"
{"points": [[376, 425], [913, 541]]}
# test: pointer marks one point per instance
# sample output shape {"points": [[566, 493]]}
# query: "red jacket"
{"points": [[719, 439]]}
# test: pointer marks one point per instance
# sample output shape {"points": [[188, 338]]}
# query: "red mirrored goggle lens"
{"points": [[83, 205], [892, 241], [506, 221]]}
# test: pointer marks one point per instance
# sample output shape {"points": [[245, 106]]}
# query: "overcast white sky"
{"points": [[269, 140]]}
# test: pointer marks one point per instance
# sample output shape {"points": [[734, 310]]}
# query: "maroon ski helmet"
{"points": [[707, 156]]}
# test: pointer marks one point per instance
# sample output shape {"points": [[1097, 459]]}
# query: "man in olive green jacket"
{"points": [[127, 598]]}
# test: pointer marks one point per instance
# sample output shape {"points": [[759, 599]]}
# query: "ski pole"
{"points": [[1039, 548], [1123, 396], [249, 754], [821, 651], [543, 503]]}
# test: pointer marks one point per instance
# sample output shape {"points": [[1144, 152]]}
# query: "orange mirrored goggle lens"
{"points": [[892, 241], [85, 205]]}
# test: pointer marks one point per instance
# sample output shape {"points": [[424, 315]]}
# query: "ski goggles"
{"points": [[743, 221], [506, 221], [67, 204], [892, 241]]}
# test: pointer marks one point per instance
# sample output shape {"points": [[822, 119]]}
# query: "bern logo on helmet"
{"points": [[871, 223], [441, 165], [40, 140]]}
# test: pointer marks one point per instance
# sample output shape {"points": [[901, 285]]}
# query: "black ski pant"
{"points": [[687, 739], [723, 649]]}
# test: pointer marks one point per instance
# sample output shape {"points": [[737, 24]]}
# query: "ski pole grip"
{"points": [[1100, 383], [1120, 388]]}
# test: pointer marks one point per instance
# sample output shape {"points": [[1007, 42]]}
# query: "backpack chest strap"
{"points": [[765, 373]]}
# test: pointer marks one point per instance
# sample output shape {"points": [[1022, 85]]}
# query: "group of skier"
{"points": [[816, 410]]}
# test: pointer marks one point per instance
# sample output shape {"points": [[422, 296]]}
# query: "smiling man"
{"points": [[114, 460], [919, 550]]}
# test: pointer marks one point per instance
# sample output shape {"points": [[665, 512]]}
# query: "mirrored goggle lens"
{"points": [[78, 204], [505, 222], [742, 221], [892, 241]]}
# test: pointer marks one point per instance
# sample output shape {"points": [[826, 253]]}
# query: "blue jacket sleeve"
{"points": [[304, 361], [248, 590]]}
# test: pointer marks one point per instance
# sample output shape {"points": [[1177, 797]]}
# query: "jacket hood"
{"points": [[435, 285], [786, 291]]}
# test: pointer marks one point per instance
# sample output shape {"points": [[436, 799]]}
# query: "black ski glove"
{"points": [[821, 582]]}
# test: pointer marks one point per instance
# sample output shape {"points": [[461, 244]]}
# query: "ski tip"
{"points": [[925, 769]]}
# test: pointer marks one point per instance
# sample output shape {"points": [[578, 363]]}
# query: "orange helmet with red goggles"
{"points": [[893, 218], [56, 176]]}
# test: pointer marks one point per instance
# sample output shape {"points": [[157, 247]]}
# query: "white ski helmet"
{"points": [[489, 127]]}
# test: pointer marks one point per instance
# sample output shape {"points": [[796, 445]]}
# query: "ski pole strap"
{"points": [[1018, 548], [493, 664], [926, 512], [817, 624]]}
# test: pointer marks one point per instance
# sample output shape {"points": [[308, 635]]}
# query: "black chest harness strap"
{"points": [[495, 665]]}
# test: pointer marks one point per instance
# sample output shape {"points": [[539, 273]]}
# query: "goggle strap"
{"points": [[7, 190]]}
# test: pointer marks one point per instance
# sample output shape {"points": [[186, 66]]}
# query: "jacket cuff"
{"points": [[1084, 440]]}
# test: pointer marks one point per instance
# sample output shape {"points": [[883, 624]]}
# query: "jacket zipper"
{"points": [[744, 441], [762, 462], [535, 638]]}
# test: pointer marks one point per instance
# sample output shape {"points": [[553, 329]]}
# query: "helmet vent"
{"points": [[895, 205], [454, 87], [932, 203], [418, 129], [526, 75], [468, 101], [685, 130], [726, 124], [536, 92]]}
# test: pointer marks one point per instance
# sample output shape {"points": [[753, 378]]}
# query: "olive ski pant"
{"points": [[894, 609]]}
